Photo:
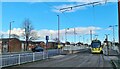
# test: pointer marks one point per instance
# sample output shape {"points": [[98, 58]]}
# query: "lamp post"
{"points": [[51, 36], [91, 35], [59, 34], [9, 34], [107, 43], [83, 39], [75, 36], [86, 39], [79, 38], [113, 32], [10, 28], [66, 34], [58, 28]]}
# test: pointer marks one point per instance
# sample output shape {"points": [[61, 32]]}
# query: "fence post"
{"points": [[43, 55], [47, 54], [19, 59], [33, 57]]}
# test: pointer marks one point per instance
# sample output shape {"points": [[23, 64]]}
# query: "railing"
{"points": [[15, 59], [71, 47]]}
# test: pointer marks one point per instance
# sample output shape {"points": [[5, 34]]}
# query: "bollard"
{"points": [[43, 55], [33, 57], [46, 54], [19, 59]]}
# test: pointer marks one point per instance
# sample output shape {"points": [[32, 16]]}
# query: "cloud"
{"points": [[70, 31], [86, 1], [54, 33], [17, 31]]}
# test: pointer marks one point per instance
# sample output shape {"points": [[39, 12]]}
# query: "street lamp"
{"points": [[107, 43], [58, 28], [59, 34], [66, 34], [10, 28], [91, 35], [75, 35], [113, 31], [10, 34], [79, 38], [86, 38], [83, 38]]}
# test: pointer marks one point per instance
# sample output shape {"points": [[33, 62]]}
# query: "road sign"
{"points": [[47, 37]]}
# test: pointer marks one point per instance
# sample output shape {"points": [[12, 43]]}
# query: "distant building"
{"points": [[10, 45], [18, 45]]}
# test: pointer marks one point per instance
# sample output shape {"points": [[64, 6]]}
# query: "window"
{"points": [[95, 45]]}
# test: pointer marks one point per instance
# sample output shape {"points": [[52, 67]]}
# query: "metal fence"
{"points": [[71, 47], [14, 59]]}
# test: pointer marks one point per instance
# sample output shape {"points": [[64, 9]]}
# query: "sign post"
{"points": [[47, 38]]}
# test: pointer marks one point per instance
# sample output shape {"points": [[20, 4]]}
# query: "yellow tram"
{"points": [[96, 46]]}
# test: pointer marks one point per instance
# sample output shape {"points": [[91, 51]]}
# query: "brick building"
{"points": [[10, 45], [16, 45]]}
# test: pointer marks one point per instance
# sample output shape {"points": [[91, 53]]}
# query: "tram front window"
{"points": [[95, 45]]}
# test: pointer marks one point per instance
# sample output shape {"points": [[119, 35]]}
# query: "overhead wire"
{"points": [[93, 4]]}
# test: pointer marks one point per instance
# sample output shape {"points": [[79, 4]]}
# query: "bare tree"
{"points": [[34, 35], [28, 29]]}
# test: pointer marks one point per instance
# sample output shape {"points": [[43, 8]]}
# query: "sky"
{"points": [[43, 16]]}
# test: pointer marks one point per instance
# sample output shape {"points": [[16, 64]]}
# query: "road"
{"points": [[81, 59]]}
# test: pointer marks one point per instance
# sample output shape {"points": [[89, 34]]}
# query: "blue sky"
{"points": [[43, 16]]}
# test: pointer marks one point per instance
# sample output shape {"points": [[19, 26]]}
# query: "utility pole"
{"points": [[113, 29], [74, 36], [9, 35], [119, 23], [79, 38], [59, 35], [83, 39], [66, 34], [51, 36], [107, 43], [91, 35], [58, 29]]}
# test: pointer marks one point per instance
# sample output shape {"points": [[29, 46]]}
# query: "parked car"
{"points": [[37, 49]]}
